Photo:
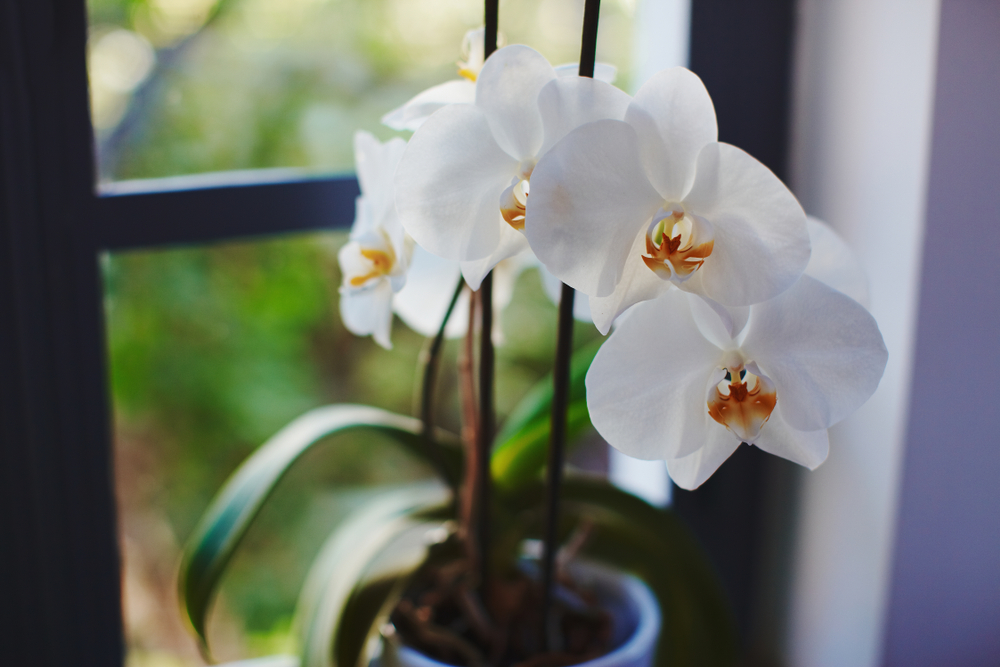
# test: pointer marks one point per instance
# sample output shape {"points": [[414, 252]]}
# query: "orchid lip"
{"points": [[677, 243], [381, 264], [743, 401], [514, 199]]}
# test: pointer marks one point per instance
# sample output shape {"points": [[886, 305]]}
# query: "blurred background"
{"points": [[190, 86]]}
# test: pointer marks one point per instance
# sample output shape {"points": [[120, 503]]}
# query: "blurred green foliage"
{"points": [[212, 350], [241, 84]]}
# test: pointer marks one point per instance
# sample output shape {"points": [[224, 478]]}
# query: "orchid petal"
{"points": [[821, 348], [507, 90], [637, 284], [474, 49], [569, 102], [761, 240], [369, 311], [714, 322], [364, 221], [511, 243], [367, 257], [448, 184], [674, 118], [691, 471], [834, 263], [807, 448], [589, 201], [352, 261], [413, 113], [646, 387], [375, 164], [430, 284], [605, 72], [720, 324]]}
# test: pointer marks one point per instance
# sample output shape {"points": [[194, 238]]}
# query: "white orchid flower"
{"points": [[673, 382], [462, 183], [383, 270], [374, 260], [622, 210], [413, 113]]}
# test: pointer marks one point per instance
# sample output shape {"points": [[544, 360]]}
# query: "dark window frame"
{"points": [[59, 558]]}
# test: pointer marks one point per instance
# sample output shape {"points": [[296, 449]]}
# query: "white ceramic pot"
{"points": [[633, 608]]}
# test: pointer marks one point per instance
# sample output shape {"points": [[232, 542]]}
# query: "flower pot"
{"points": [[633, 607]]}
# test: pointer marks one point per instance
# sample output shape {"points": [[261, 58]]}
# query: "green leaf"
{"points": [[234, 508], [360, 572], [522, 444]]}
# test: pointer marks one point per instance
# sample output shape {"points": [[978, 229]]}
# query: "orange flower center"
{"points": [[514, 200], [677, 244], [742, 403]]}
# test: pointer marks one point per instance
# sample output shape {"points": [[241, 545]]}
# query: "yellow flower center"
{"points": [[467, 73], [677, 244], [514, 200], [381, 265], [742, 402]]}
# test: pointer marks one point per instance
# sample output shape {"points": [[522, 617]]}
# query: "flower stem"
{"points": [[560, 372], [470, 434], [588, 43], [491, 27], [486, 425], [557, 449], [429, 380], [484, 440]]}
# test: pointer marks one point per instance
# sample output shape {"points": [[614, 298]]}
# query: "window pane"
{"points": [[192, 86], [212, 350]]}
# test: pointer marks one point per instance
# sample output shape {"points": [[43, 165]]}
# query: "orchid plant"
{"points": [[734, 319]]}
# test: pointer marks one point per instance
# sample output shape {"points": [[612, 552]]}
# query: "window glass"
{"points": [[192, 86], [212, 350]]}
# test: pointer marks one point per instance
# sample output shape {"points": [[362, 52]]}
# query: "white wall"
{"points": [[863, 86], [661, 39]]}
